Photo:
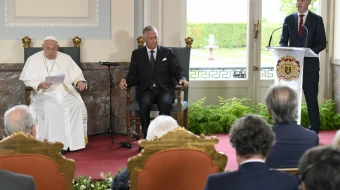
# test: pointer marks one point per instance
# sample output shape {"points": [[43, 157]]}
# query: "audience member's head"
{"points": [[252, 138], [336, 140], [282, 103], [161, 125], [319, 169], [19, 118]]}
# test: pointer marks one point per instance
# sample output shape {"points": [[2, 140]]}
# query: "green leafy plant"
{"points": [[212, 119], [86, 183]]}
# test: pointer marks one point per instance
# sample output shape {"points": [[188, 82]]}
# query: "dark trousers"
{"points": [[153, 96], [310, 89]]}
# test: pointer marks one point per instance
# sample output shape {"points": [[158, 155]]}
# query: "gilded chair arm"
{"points": [[128, 92], [179, 89], [28, 90]]}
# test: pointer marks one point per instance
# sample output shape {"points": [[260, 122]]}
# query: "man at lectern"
{"points": [[60, 111], [306, 29]]}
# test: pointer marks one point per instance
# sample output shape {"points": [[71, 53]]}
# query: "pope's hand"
{"points": [[81, 86], [44, 85], [122, 84]]}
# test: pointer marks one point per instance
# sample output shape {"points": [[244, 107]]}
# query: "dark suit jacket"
{"points": [[252, 176], [165, 73], [14, 181], [292, 140], [316, 39]]}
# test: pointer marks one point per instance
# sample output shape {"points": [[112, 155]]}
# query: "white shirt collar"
{"points": [[154, 53], [305, 13], [252, 160], [155, 50]]}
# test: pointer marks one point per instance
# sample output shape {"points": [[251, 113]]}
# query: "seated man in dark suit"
{"points": [[155, 69], [292, 139], [319, 169], [14, 181], [252, 139]]}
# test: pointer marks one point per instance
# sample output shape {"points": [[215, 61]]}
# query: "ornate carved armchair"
{"points": [[74, 52], [179, 107], [177, 160], [21, 153]]}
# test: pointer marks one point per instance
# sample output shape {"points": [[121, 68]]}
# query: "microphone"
{"points": [[306, 35], [109, 63], [271, 36]]}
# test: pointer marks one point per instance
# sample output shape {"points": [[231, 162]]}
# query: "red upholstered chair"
{"points": [[23, 154], [44, 170], [178, 160]]}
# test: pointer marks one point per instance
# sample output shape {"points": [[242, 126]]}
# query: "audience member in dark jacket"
{"points": [[319, 169], [292, 139], [253, 139], [14, 181]]}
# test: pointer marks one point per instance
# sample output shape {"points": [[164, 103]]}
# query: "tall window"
{"points": [[219, 29]]}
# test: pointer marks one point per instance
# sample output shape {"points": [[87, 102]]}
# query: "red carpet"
{"points": [[101, 155]]}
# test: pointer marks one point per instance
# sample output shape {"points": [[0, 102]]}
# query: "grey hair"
{"points": [[282, 102], [19, 118], [161, 125], [251, 135], [149, 29]]}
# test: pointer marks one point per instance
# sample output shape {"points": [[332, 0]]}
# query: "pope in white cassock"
{"points": [[60, 111]]}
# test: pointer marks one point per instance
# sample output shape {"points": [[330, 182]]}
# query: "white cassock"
{"points": [[60, 111]]}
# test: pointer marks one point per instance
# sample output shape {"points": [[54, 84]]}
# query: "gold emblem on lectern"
{"points": [[288, 68]]}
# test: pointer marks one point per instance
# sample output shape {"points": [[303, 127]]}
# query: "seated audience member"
{"points": [[60, 111], [319, 169], [19, 118], [336, 140], [158, 127], [14, 181], [253, 140], [292, 139]]}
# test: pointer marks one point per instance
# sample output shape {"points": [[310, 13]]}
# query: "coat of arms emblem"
{"points": [[288, 68]]}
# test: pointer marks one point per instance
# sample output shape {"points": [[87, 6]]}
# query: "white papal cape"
{"points": [[60, 111]]}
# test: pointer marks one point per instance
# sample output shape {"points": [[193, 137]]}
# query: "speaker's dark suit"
{"points": [[14, 181], [251, 176], [316, 41], [166, 74], [292, 140]]}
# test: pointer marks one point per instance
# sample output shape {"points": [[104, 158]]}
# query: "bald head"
{"points": [[282, 103], [19, 118]]}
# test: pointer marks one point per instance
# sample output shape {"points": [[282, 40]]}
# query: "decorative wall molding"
{"points": [[11, 20], [335, 61], [13, 26]]}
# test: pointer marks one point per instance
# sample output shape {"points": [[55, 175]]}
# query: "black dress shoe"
{"points": [[62, 151]]}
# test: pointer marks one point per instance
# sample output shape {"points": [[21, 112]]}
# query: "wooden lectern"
{"points": [[289, 68]]}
